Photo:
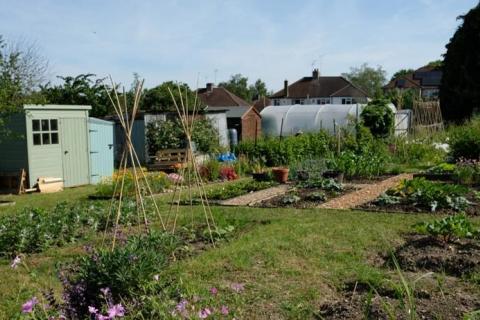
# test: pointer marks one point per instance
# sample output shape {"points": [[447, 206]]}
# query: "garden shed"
{"points": [[101, 149], [48, 141]]}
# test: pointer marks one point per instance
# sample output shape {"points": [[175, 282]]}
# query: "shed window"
{"points": [[45, 131]]}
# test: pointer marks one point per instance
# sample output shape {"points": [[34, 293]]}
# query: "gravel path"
{"points": [[254, 197], [365, 194]]}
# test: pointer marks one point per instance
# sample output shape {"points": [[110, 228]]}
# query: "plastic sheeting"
{"points": [[293, 119]]}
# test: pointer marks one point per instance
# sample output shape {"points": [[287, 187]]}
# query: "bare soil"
{"points": [[424, 253], [452, 299]]}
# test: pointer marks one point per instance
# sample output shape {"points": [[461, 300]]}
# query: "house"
{"points": [[261, 103], [319, 90], [55, 141], [241, 115], [426, 80]]}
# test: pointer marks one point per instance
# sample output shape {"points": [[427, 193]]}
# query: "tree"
{"points": [[83, 89], [371, 80], [257, 90], [238, 85], [460, 87], [159, 98], [402, 73], [22, 71]]}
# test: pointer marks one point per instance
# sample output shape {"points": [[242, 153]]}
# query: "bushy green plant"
{"points": [[169, 134], [124, 272], [316, 196], [210, 170], [419, 151], [291, 149], [465, 140], [238, 188], [468, 171], [442, 168], [290, 199], [158, 182], [387, 199], [378, 117], [449, 228], [433, 195], [310, 168], [325, 184]]}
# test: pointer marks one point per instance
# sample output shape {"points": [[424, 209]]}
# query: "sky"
{"points": [[200, 41]]}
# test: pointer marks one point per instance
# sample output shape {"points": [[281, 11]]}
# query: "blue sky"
{"points": [[272, 40]]}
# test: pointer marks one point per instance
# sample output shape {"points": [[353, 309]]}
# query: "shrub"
{"points": [[442, 168], [416, 152], [465, 140], [449, 228], [169, 134], [433, 195], [468, 171], [378, 117], [210, 170], [125, 271]]}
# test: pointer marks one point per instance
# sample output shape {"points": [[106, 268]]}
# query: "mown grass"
{"points": [[290, 260]]}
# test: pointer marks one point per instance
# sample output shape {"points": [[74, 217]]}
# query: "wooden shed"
{"points": [[48, 141], [246, 120]]}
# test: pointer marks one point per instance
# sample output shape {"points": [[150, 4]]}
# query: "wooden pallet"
{"points": [[169, 159], [13, 181]]}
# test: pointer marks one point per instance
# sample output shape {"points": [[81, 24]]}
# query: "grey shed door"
{"points": [[74, 137]]}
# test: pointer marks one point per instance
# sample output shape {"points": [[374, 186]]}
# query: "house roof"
{"points": [[320, 87], [424, 77], [220, 97], [234, 111]]}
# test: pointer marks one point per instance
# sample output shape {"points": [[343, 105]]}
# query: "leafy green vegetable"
{"points": [[449, 228]]}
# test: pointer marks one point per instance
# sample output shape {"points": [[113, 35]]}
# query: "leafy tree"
{"points": [[369, 79], [238, 85], [460, 88], [403, 98], [378, 117], [159, 98], [82, 89], [22, 71], [401, 73]]}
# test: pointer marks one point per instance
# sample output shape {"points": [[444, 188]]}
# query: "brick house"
{"points": [[241, 115], [319, 90]]}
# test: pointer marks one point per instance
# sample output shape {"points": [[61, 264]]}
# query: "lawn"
{"points": [[289, 260]]}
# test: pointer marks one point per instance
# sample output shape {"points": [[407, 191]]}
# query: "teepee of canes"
{"points": [[142, 187], [189, 173]]}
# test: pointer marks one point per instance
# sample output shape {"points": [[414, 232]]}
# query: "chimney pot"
{"points": [[315, 74], [285, 88], [209, 87]]}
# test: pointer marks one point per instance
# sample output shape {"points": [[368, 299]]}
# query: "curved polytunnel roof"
{"points": [[292, 119]]}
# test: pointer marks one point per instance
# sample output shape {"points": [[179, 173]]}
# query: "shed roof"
{"points": [[220, 97], [56, 107], [234, 111]]}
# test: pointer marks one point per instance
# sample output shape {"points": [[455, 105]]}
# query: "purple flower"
{"points": [[92, 310], [15, 262], [116, 311], [204, 313], [237, 287], [101, 317], [224, 310], [105, 291], [213, 291], [28, 306]]}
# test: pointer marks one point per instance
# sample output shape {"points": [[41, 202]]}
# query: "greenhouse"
{"points": [[294, 119]]}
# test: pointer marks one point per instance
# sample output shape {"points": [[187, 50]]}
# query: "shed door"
{"points": [[75, 151], [101, 151]]}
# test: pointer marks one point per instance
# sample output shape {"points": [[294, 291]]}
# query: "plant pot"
{"points": [[280, 174], [337, 175], [260, 176]]}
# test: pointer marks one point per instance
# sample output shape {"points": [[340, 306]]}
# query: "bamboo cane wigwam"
{"points": [[130, 161]]}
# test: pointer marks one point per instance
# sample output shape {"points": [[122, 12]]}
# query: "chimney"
{"points": [[285, 88], [209, 87], [315, 74]]}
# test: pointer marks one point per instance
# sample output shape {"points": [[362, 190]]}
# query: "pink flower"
{"points": [[101, 317], [237, 287], [28, 306], [175, 178], [15, 262], [116, 311], [224, 310], [92, 310], [213, 291], [105, 291], [204, 313]]}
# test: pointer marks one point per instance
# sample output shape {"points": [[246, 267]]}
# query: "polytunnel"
{"points": [[292, 119]]}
